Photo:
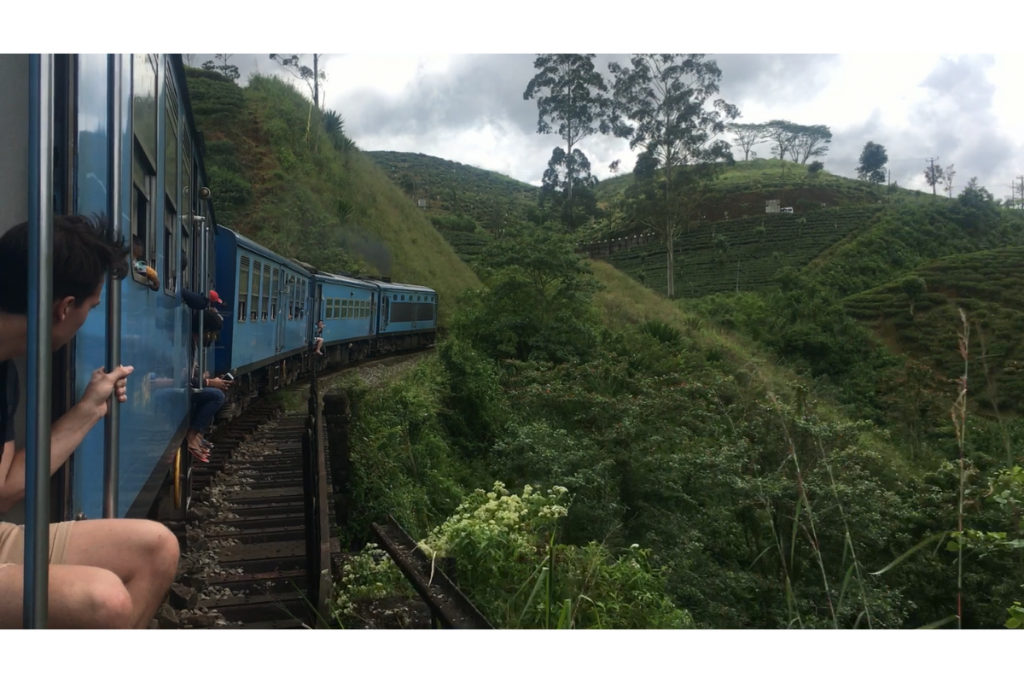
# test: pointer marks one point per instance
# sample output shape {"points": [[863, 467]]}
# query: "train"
{"points": [[122, 139]]}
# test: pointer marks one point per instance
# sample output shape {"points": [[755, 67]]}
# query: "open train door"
{"points": [[15, 140]]}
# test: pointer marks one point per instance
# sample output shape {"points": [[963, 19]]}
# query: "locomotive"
{"points": [[117, 137]]}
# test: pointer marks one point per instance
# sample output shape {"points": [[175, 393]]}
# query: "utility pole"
{"points": [[932, 179], [1021, 188]]}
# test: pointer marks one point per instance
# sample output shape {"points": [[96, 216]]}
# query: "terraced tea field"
{"points": [[726, 255], [988, 287]]}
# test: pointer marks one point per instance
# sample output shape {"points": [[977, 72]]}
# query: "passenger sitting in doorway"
{"points": [[198, 302], [207, 402], [319, 338], [104, 573]]}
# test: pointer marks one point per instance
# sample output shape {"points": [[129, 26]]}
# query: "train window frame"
{"points": [[186, 245], [244, 263], [275, 292], [170, 249], [145, 143], [171, 182], [265, 292], [142, 213], [254, 292], [290, 289]]}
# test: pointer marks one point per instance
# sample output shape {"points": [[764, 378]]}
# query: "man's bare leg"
{"points": [[79, 597], [142, 554]]}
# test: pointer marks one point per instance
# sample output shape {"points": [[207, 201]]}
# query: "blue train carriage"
{"points": [[155, 187], [407, 316], [267, 325], [348, 308]]}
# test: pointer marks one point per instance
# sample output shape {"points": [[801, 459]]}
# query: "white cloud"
{"points": [[469, 108]]}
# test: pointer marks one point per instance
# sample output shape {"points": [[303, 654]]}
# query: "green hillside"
{"points": [[728, 255], [298, 194], [988, 287], [743, 188], [455, 189], [906, 236]]}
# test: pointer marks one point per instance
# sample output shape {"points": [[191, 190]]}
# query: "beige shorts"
{"points": [[12, 543]]}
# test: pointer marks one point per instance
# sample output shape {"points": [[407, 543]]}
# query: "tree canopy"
{"points": [[873, 159]]}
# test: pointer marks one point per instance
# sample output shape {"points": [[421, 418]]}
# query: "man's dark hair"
{"points": [[211, 321], [82, 256]]}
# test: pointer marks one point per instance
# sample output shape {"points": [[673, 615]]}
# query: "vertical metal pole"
{"points": [[203, 255], [112, 421], [40, 336]]}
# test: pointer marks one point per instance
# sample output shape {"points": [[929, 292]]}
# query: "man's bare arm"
{"points": [[65, 434]]}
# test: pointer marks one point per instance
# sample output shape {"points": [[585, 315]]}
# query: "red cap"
{"points": [[215, 298]]}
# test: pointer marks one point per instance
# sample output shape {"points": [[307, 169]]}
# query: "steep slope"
{"points": [[907, 236], [278, 178], [988, 287], [452, 189]]}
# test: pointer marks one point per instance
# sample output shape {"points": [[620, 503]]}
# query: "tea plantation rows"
{"points": [[713, 257]]}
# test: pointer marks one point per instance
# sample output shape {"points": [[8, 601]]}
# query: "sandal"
{"points": [[199, 454]]}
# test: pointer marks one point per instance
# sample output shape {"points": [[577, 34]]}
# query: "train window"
{"points": [[186, 206], [266, 291], [144, 75], [291, 297], [171, 183], [345, 310], [254, 300], [144, 162], [274, 295], [143, 182], [243, 288], [171, 139], [186, 264], [302, 304], [170, 250]]}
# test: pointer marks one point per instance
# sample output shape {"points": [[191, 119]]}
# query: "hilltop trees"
{"points": [[810, 141], [226, 68], [872, 163], [748, 135], [569, 94], [663, 105], [800, 142]]}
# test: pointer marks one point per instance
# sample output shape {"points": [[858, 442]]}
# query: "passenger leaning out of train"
{"points": [[207, 402], [104, 573], [319, 338]]}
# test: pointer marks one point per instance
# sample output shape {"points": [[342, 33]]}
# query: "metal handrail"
{"points": [[204, 254], [112, 421], [40, 337]]}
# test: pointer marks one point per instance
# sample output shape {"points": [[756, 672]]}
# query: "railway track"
{"points": [[245, 543], [245, 559]]}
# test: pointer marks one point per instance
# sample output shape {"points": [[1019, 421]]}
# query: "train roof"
{"points": [[263, 251], [401, 286], [347, 280]]}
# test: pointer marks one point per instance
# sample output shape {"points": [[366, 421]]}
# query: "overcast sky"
{"points": [[963, 109]]}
